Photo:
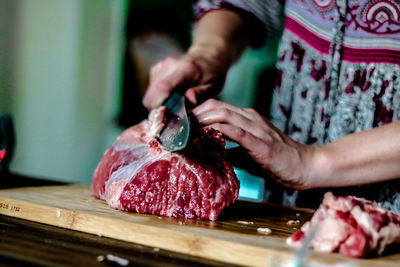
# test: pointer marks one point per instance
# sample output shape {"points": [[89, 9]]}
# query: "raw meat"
{"points": [[137, 174], [352, 226]]}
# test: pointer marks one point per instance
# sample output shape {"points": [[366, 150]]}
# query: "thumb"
{"points": [[156, 95], [162, 82]]}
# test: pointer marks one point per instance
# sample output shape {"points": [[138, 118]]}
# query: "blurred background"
{"points": [[73, 73]]}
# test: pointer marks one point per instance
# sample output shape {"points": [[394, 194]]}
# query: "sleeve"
{"points": [[262, 17]]}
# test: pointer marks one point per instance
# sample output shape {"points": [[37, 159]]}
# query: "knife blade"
{"points": [[175, 134]]}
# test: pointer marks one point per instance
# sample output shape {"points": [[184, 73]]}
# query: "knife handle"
{"points": [[172, 100], [175, 94]]}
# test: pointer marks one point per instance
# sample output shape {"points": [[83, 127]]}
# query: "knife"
{"points": [[175, 134]]}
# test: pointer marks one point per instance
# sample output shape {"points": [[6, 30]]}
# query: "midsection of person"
{"points": [[306, 105]]}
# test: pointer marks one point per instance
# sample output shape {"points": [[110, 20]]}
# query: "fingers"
{"points": [[266, 155], [224, 116], [168, 74], [274, 152], [156, 95], [213, 111], [244, 138], [191, 96], [212, 105]]}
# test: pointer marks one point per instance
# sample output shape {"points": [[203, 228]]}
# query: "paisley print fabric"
{"points": [[376, 17], [338, 72]]}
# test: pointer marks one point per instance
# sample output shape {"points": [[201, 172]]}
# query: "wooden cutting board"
{"points": [[232, 239]]}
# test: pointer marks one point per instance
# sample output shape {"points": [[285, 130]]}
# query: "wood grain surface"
{"points": [[27, 243], [228, 240]]}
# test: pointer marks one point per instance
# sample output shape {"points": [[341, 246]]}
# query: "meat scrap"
{"points": [[293, 222], [116, 259], [245, 222], [264, 230], [137, 174], [351, 226]]}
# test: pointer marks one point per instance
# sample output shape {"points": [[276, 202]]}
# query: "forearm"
{"points": [[219, 36], [218, 40], [360, 158]]}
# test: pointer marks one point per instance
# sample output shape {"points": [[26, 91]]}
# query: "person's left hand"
{"points": [[288, 161]]}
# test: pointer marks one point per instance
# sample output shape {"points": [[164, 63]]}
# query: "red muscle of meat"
{"points": [[137, 174], [351, 226]]}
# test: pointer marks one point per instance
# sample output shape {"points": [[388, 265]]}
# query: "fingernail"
{"points": [[203, 119], [195, 111], [200, 120]]}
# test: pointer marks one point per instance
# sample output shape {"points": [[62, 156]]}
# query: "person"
{"points": [[334, 115]]}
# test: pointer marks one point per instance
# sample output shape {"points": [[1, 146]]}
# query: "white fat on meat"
{"points": [[351, 226], [189, 186]]}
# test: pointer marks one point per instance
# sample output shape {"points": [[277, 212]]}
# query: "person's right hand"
{"points": [[202, 76], [219, 38]]}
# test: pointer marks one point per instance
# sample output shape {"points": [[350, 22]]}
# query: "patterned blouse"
{"points": [[338, 73]]}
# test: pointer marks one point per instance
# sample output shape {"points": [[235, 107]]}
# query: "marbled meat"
{"points": [[137, 174], [351, 226]]}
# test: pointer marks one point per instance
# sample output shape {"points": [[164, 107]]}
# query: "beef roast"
{"points": [[352, 226], [137, 174]]}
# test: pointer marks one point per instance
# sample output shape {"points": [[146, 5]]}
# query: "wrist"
{"points": [[207, 55], [320, 170], [219, 34]]}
